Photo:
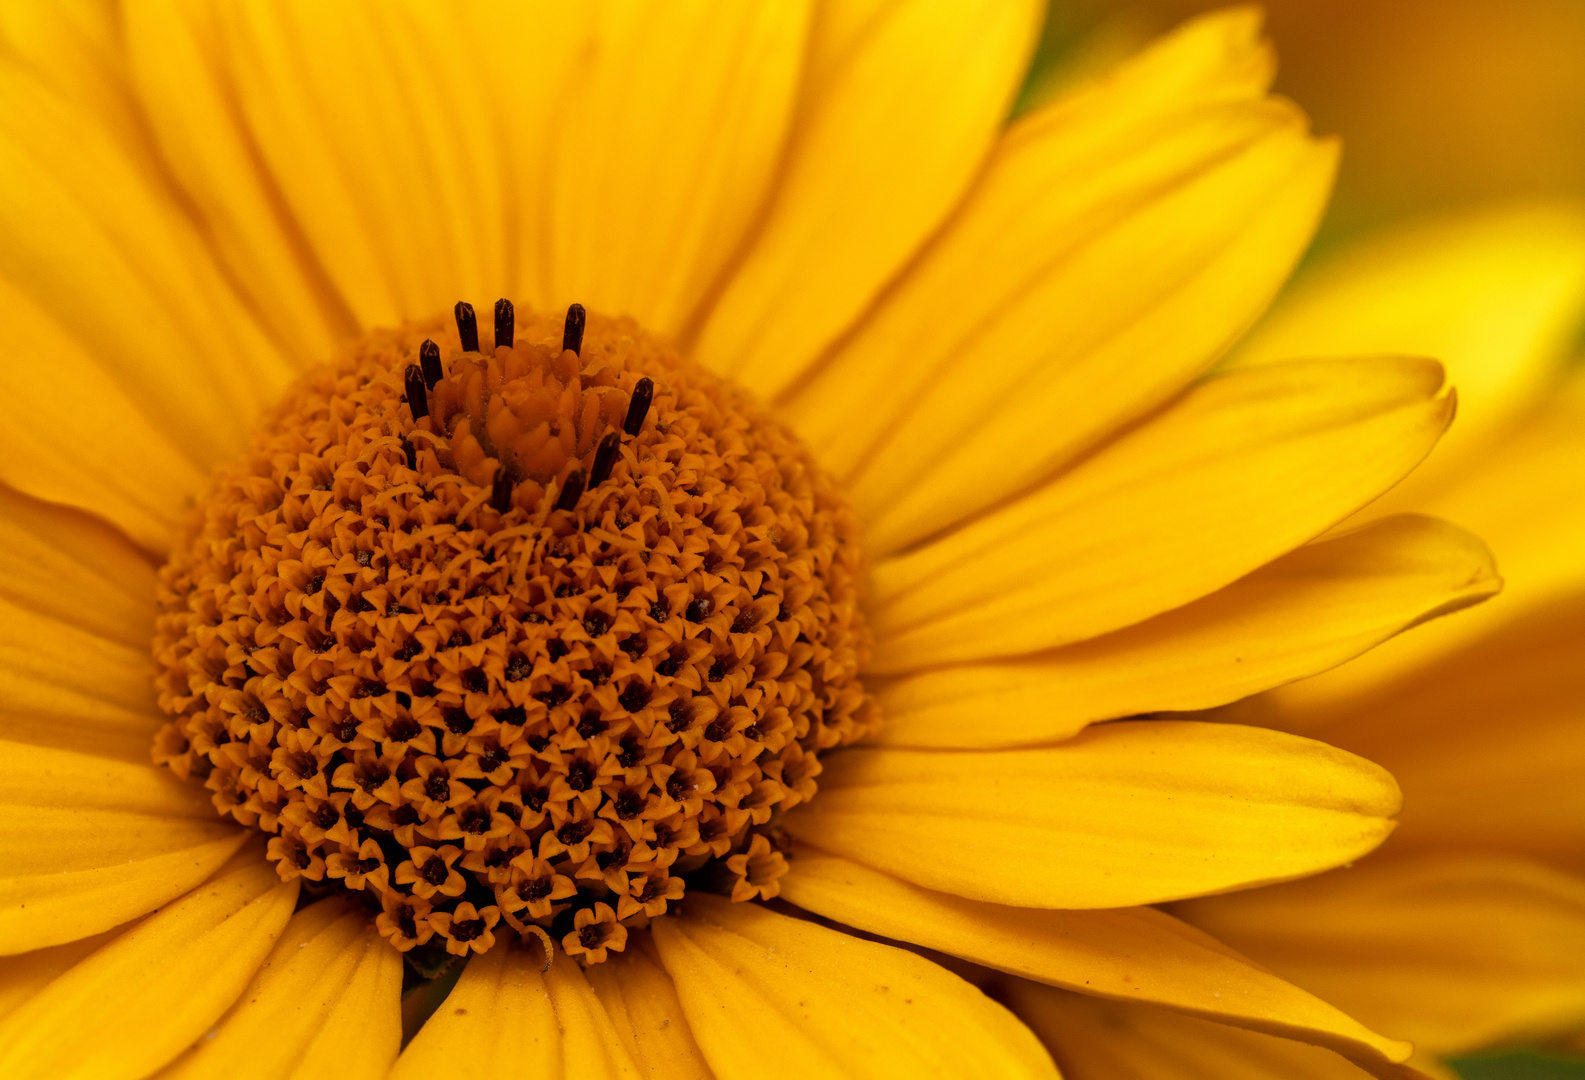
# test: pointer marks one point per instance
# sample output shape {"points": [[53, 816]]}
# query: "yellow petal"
{"points": [[1313, 608], [1526, 498], [505, 1019], [1453, 951], [141, 999], [771, 996], [76, 617], [1108, 1040], [899, 105], [1126, 813], [1488, 743], [1494, 295], [1129, 954], [325, 1003], [642, 1003], [667, 143], [89, 842], [108, 278], [74, 48], [1244, 468], [1104, 259], [177, 63], [26, 974]]}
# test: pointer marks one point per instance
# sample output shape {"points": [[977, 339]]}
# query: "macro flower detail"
{"points": [[818, 596], [530, 634]]}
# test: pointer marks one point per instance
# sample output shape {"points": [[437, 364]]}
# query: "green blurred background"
{"points": [[1441, 105]]}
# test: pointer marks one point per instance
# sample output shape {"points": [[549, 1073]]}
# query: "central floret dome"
{"points": [[536, 636]]}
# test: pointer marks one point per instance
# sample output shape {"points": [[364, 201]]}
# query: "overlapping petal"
{"points": [[141, 999], [1109, 1040], [1242, 469], [770, 996], [1313, 608], [1123, 814], [1127, 954], [899, 104], [642, 1003], [507, 1018], [1117, 243], [1450, 950], [324, 1003], [106, 288], [87, 843]]}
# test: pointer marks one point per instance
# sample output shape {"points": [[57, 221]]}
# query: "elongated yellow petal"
{"points": [[1108, 1040], [24, 975], [771, 996], [1526, 498], [1496, 296], [1454, 951], [176, 57], [642, 1003], [506, 1019], [1488, 744], [1315, 607], [107, 289], [1129, 954], [138, 1002], [1245, 467], [899, 105], [1127, 813], [76, 616], [1100, 264], [324, 1004], [665, 151], [89, 842]]}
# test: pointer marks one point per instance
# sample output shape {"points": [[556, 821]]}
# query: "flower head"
{"points": [[837, 465]]}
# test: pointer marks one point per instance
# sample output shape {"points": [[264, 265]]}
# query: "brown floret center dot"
{"points": [[532, 639]]}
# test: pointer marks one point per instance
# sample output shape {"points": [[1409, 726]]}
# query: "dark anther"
{"points": [[410, 452], [437, 787], [700, 609], [364, 558], [417, 396], [574, 832], [518, 668], [515, 715], [503, 323], [403, 729], [571, 491], [596, 623], [429, 357], [467, 326], [493, 759], [605, 459], [638, 406], [475, 681], [589, 725], [572, 333], [629, 804], [435, 871], [327, 816], [404, 700], [580, 775], [501, 491], [660, 611], [457, 720], [681, 718], [591, 936], [630, 753]]}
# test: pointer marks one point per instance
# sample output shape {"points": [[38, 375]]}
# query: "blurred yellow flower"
{"points": [[994, 341]]}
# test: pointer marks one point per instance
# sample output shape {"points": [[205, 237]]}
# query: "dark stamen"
{"points": [[501, 491], [572, 334], [571, 491], [605, 459], [417, 398], [503, 323], [467, 326], [411, 453], [638, 406], [429, 357]]}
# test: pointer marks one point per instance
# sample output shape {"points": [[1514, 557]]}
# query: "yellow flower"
{"points": [[1468, 927], [991, 344]]}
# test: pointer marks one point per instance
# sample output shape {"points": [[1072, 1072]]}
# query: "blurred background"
{"points": [[1445, 108], [1442, 104]]}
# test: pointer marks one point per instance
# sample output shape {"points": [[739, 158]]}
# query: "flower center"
{"points": [[539, 635]]}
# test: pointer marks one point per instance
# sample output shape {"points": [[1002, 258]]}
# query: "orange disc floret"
{"points": [[528, 639]]}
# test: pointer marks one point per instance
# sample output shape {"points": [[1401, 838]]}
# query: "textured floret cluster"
{"points": [[464, 647]]}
